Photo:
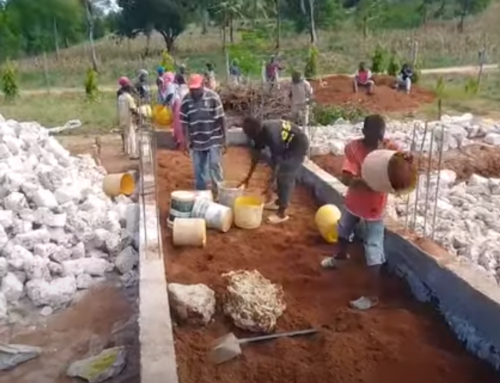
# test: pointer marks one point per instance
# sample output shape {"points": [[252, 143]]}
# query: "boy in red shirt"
{"points": [[362, 204]]}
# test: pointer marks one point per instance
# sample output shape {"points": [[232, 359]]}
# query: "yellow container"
{"points": [[115, 184], [162, 116], [248, 212], [145, 111], [327, 218]]}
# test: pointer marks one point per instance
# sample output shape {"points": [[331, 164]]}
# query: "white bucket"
{"points": [[181, 205], [228, 192], [189, 232], [374, 170], [217, 216]]}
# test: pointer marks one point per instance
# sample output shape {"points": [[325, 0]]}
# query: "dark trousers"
{"points": [[286, 178]]}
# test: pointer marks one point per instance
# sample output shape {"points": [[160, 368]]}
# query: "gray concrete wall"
{"points": [[468, 303]]}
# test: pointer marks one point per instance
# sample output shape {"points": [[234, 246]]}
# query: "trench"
{"points": [[394, 341]]}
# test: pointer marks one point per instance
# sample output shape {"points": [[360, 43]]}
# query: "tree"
{"points": [[469, 7], [167, 17], [326, 14], [366, 12]]}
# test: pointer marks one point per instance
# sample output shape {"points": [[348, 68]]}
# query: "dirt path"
{"points": [[393, 343], [107, 89]]}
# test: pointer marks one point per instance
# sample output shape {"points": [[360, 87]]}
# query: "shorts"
{"points": [[372, 234]]}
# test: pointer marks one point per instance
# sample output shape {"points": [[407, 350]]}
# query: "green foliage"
{"points": [[417, 73], [244, 52], [167, 61], [328, 14], [471, 86], [91, 86], [379, 60], [311, 69], [440, 87], [9, 85], [394, 65], [326, 115]]}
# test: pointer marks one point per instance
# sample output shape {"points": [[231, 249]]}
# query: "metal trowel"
{"points": [[229, 346]]}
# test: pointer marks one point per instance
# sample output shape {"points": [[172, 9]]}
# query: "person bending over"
{"points": [[364, 205], [288, 145], [403, 81]]}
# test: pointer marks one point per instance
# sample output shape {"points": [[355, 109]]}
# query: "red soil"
{"points": [[395, 342], [338, 90]]}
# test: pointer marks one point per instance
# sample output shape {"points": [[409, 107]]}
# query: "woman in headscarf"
{"points": [[160, 83], [127, 116]]}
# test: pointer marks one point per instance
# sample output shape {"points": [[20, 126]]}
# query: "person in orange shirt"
{"points": [[362, 204]]}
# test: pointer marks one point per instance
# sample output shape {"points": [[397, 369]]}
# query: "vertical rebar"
{"points": [[412, 149], [417, 192], [440, 160], [428, 183]]}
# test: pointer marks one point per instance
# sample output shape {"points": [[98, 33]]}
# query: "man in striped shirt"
{"points": [[202, 118]]}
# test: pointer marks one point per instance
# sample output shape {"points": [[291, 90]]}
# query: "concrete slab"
{"points": [[158, 363]]}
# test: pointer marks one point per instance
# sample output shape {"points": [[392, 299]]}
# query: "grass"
{"points": [[55, 110], [340, 51], [457, 100]]}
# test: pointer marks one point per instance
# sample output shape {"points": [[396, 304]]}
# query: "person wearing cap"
{"points": [[127, 115], [142, 86], [202, 119], [123, 82]]}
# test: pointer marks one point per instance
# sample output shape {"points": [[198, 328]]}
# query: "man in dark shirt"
{"points": [[202, 119], [288, 145]]}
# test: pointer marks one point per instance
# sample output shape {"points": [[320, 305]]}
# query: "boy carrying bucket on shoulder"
{"points": [[362, 204]]}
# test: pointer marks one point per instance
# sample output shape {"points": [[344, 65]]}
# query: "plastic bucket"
{"points": [[216, 216], [248, 212], [181, 205], [228, 192], [162, 116], [327, 218], [204, 194], [375, 172], [115, 184], [189, 232]]}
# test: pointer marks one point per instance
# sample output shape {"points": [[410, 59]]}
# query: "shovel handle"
{"points": [[278, 335]]}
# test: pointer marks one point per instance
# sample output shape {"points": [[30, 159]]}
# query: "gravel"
{"points": [[59, 232]]}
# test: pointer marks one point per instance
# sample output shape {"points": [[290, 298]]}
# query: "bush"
{"points": [[9, 82], [167, 61], [394, 65], [379, 60], [327, 115], [311, 69], [440, 87], [417, 73], [91, 87], [471, 86]]}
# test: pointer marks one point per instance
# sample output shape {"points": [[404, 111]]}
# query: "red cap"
{"points": [[196, 81], [124, 81]]}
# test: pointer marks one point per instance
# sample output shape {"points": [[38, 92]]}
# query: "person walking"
{"points": [[127, 117], [300, 98], [288, 145], [235, 73], [272, 72], [142, 87], [205, 136], [362, 204], [210, 80]]}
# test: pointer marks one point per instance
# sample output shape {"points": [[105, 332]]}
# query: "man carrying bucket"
{"points": [[362, 204], [202, 119], [288, 145]]}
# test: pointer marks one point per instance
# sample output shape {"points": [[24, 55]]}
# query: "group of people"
{"points": [[364, 78]]}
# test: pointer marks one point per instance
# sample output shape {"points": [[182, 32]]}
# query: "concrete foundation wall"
{"points": [[469, 303]]}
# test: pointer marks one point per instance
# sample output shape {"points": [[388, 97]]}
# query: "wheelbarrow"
{"points": [[229, 346]]}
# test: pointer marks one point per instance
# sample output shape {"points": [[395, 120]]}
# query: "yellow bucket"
{"points": [[248, 212], [162, 116], [327, 218], [115, 184]]}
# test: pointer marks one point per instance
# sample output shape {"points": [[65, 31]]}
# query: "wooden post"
{"points": [[97, 151], [414, 53], [482, 61]]}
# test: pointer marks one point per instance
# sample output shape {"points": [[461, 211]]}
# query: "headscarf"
{"points": [[168, 77], [142, 74], [160, 70], [124, 81]]}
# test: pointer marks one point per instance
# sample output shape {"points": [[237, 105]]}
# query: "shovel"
{"points": [[228, 347]]}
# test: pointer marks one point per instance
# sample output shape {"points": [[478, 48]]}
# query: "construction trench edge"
{"points": [[468, 302]]}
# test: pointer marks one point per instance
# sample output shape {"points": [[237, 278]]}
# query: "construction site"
{"points": [[440, 300]]}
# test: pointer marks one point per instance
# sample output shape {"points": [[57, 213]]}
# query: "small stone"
{"points": [[56, 294], [194, 304], [45, 198], [78, 251], [12, 288], [12, 355], [108, 364], [127, 260], [46, 311], [4, 267], [3, 307], [83, 281]]}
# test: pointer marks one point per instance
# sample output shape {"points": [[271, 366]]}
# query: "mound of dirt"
{"points": [[338, 90]]}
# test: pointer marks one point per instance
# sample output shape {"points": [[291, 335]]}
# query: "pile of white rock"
{"points": [[59, 232], [451, 132], [467, 217]]}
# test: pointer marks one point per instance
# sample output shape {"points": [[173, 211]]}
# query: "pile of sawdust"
{"points": [[252, 301]]}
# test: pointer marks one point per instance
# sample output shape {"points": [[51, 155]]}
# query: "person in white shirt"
{"points": [[300, 98], [127, 118]]}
